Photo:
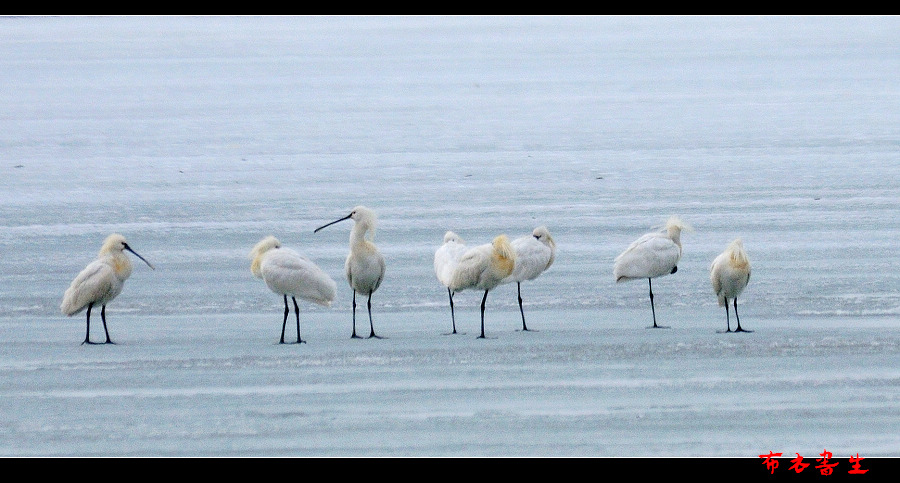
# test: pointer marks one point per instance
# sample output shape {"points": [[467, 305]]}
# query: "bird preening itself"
{"points": [[652, 255], [364, 267], [100, 282], [286, 272], [446, 258], [534, 254], [483, 267], [729, 274]]}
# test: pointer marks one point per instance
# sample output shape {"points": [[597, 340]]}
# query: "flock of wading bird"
{"points": [[457, 266]]}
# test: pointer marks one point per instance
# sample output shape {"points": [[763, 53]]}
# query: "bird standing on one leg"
{"points": [[100, 282], [364, 267], [446, 258], [652, 255], [286, 272], [729, 274], [534, 254], [483, 267]]}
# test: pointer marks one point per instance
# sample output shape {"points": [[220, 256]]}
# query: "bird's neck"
{"points": [[675, 235], [255, 265], [739, 259], [121, 265], [358, 234], [503, 262]]}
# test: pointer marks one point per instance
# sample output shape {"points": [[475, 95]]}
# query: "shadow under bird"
{"points": [[100, 282], [729, 274], [446, 258], [484, 267], [364, 267], [286, 272], [652, 255], [534, 255]]}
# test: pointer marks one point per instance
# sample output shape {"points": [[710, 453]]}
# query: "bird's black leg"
{"points": [[371, 326], [452, 314], [284, 322], [652, 307], [727, 317], [483, 301], [103, 318], [87, 336], [739, 329], [354, 336], [727, 320], [522, 311], [297, 311]]}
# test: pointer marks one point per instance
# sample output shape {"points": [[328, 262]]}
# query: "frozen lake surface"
{"points": [[196, 137]]}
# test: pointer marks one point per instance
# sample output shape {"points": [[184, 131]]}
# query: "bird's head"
{"points": [[452, 237], [264, 245]]}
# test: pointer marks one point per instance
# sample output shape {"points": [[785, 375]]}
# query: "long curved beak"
{"points": [[142, 258], [333, 222]]}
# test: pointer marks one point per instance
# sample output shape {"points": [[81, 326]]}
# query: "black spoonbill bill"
{"points": [[483, 267], [286, 272], [445, 260], [365, 264], [729, 273], [652, 255], [534, 254], [100, 282]]}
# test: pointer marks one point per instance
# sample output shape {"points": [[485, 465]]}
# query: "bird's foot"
{"points": [[354, 336], [373, 336], [742, 330], [453, 333], [526, 329], [724, 331], [659, 327]]}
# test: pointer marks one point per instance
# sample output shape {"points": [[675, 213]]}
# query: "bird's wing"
{"points": [[649, 256], [715, 276], [532, 258], [286, 271], [90, 285], [365, 268], [470, 268], [635, 245], [445, 259], [379, 261]]}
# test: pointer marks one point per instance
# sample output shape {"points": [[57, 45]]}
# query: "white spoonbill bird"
{"points": [[286, 272], [652, 255], [100, 282], [483, 267], [534, 255], [365, 265], [446, 258], [729, 273]]}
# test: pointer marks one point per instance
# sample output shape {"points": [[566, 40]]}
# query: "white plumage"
{"points": [[652, 255], [729, 274], [286, 272], [534, 255], [484, 267], [100, 282], [364, 267], [446, 258]]}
